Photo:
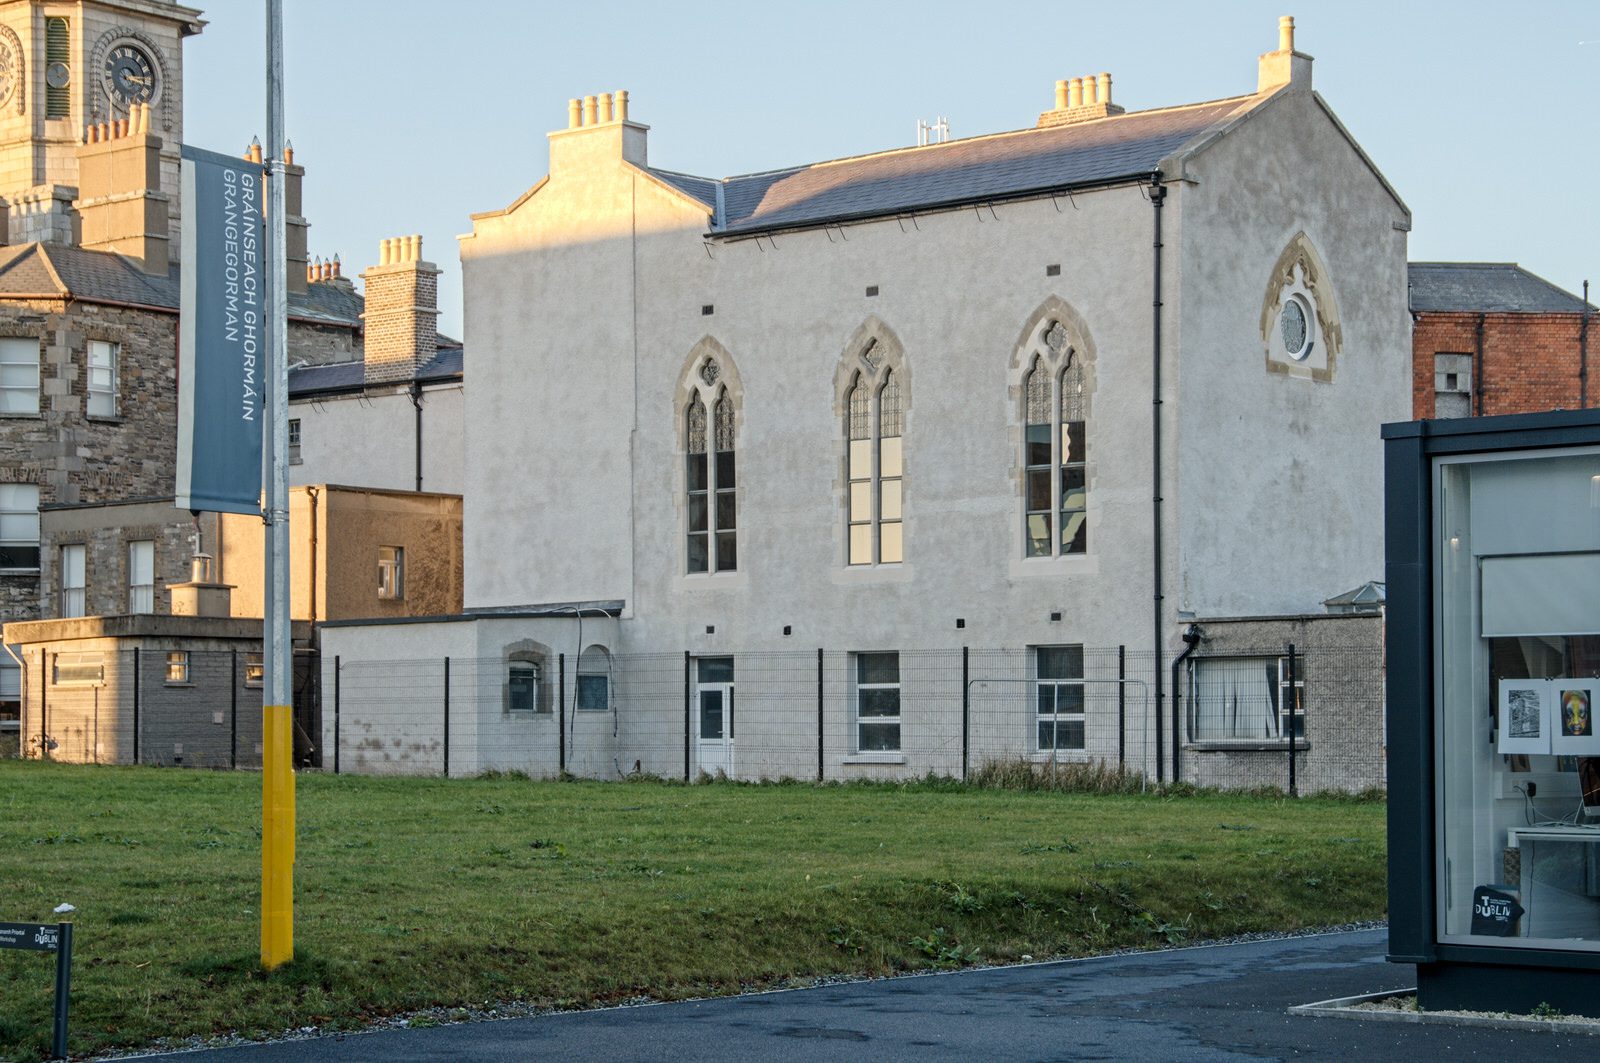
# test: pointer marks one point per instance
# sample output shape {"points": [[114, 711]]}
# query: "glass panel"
{"points": [[101, 404], [714, 669], [698, 510], [1072, 442], [1039, 534], [15, 555], [19, 376], [15, 526], [1060, 662], [1074, 533], [879, 737], [727, 552], [889, 546], [877, 668], [861, 501], [860, 459], [861, 544], [593, 693], [699, 552], [1038, 444], [725, 510], [889, 456], [1069, 734], [1073, 478], [878, 701], [889, 493], [523, 687], [1047, 735], [1038, 489], [859, 409], [141, 561], [711, 714], [19, 400], [697, 472], [725, 464]]}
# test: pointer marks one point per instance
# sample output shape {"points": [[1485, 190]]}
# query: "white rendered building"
{"points": [[1050, 392]]}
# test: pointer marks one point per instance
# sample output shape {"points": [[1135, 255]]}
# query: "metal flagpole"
{"points": [[277, 753]]}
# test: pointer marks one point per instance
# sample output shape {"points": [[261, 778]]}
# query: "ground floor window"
{"points": [[1059, 700], [878, 702], [1247, 698], [522, 680], [10, 693], [178, 667]]}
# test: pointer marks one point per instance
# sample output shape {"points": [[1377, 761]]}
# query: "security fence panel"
{"points": [[392, 717]]}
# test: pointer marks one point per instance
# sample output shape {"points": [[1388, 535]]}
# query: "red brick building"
{"points": [[1490, 337]]}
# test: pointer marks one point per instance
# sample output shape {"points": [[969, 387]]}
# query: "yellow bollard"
{"points": [[277, 836]]}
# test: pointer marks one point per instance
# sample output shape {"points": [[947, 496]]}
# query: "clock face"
{"points": [[129, 75], [57, 75]]}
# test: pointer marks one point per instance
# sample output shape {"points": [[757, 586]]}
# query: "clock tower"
{"points": [[66, 65]]}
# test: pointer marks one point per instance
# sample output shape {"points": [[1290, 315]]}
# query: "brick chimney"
{"points": [[402, 313], [1284, 66], [120, 204], [598, 128], [1081, 100]]}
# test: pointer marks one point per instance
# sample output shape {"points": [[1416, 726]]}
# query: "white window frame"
{"points": [[294, 441], [525, 667], [255, 670], [19, 521], [103, 377], [1276, 712], [1054, 687], [17, 355], [877, 721], [177, 668], [392, 573], [78, 669], [72, 579], [141, 593]]}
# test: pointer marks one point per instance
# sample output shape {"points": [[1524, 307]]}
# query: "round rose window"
{"points": [[1293, 323]]}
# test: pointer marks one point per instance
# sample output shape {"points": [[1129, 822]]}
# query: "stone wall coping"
{"points": [[143, 625]]}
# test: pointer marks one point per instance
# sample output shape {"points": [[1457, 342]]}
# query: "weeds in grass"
{"points": [[1063, 846], [1094, 777], [943, 949]]}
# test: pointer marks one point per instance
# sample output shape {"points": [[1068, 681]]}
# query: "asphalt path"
{"points": [[1211, 1003]]}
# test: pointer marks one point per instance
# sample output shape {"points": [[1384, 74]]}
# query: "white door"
{"points": [[716, 728]]}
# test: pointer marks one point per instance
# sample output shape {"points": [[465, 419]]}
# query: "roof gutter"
{"points": [[941, 207]]}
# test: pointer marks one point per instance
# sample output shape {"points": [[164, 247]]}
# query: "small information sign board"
{"points": [[47, 937]]}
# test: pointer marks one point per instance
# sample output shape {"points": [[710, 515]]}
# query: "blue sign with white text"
{"points": [[222, 337]]}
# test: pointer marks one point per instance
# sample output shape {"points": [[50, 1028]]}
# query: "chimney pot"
{"points": [[383, 251], [622, 105], [591, 109], [574, 113], [1075, 92], [1089, 96], [1061, 95], [416, 247], [1105, 88], [1286, 33], [605, 108], [337, 267]]}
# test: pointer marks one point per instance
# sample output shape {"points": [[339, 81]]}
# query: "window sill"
{"points": [[19, 571], [179, 686], [1060, 756], [875, 758], [15, 416], [103, 418], [1247, 745]]}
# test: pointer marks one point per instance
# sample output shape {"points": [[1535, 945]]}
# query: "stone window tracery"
{"points": [[710, 426], [875, 405], [1055, 469]]}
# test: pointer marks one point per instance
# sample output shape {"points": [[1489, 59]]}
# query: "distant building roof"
{"points": [[1486, 287], [56, 272], [446, 365], [1368, 597], [975, 170]]}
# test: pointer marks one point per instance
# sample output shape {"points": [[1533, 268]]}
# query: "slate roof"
{"points": [[1486, 287], [54, 271], [447, 364], [975, 170]]}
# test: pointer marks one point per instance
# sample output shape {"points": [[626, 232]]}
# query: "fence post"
{"points": [[687, 713], [820, 718], [336, 714], [966, 709], [1122, 706], [135, 704], [447, 717], [233, 709], [561, 713], [1294, 699]]}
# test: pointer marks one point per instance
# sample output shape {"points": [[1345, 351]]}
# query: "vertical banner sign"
{"points": [[221, 351]]}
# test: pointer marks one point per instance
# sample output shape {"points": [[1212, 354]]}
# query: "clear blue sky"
{"points": [[409, 116]]}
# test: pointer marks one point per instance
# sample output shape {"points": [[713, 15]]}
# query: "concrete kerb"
{"points": [[1349, 1008]]}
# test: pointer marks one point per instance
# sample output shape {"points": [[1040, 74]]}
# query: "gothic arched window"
{"points": [[710, 480], [875, 466], [1055, 478]]}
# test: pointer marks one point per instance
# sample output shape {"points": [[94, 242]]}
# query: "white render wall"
{"points": [[584, 310], [369, 440], [1281, 477]]}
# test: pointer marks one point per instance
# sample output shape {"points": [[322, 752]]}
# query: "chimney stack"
{"points": [[598, 127], [1284, 67], [402, 312], [1080, 100], [120, 204]]}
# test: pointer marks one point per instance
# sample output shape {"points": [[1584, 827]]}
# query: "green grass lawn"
{"points": [[414, 893]]}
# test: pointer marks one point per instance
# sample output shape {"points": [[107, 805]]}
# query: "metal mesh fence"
{"points": [[842, 715], [181, 708]]}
